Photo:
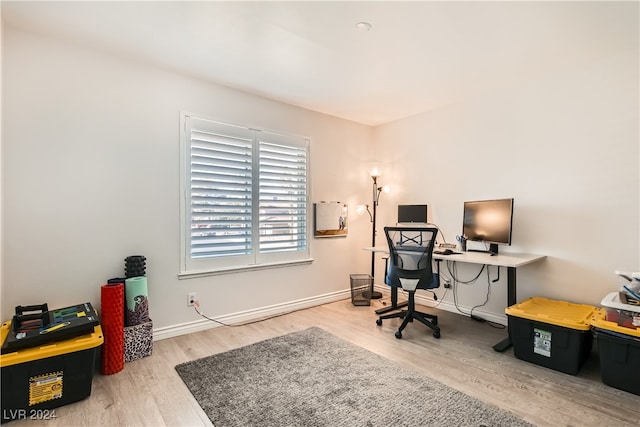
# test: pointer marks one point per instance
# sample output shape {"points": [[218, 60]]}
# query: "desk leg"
{"points": [[511, 300]]}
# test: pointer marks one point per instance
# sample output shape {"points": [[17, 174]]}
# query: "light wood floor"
{"points": [[148, 392]]}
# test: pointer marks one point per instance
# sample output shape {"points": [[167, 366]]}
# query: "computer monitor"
{"points": [[412, 214], [488, 221]]}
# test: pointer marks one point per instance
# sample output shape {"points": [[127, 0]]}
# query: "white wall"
{"points": [[90, 175], [91, 155], [564, 145]]}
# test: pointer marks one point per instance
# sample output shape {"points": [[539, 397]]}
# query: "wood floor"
{"points": [[148, 392]]}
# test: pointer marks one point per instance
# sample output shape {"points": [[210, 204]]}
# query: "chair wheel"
{"points": [[398, 334], [436, 334], [379, 322]]}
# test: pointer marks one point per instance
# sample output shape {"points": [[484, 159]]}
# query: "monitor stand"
{"points": [[493, 250]]}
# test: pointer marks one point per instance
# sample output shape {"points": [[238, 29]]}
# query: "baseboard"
{"points": [[247, 316], [288, 307]]}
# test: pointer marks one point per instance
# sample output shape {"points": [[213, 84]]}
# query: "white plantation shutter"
{"points": [[283, 193], [245, 197]]}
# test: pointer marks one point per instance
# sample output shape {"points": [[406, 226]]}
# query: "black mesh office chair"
{"points": [[410, 268]]}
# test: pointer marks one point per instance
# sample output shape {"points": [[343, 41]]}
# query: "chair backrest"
{"points": [[410, 256]]}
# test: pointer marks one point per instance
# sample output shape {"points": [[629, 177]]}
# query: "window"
{"points": [[245, 197]]}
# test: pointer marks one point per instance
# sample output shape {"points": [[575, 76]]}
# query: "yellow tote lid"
{"points": [[56, 348], [560, 313]]}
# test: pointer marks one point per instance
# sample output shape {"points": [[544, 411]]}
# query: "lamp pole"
{"points": [[376, 197]]}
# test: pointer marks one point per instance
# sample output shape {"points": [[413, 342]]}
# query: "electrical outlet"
{"points": [[191, 298], [447, 283]]}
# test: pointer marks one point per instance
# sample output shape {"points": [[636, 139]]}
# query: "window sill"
{"points": [[241, 268]]}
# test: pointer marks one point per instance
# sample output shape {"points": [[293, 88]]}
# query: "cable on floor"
{"points": [[196, 305]]}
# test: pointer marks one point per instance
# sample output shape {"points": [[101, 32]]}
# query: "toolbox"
{"points": [[47, 376], [34, 325], [553, 334]]}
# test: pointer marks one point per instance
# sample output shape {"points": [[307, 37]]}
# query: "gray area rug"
{"points": [[313, 378]]}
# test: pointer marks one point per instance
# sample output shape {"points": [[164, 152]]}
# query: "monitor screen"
{"points": [[488, 221], [412, 213]]}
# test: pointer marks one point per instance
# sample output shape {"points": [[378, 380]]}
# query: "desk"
{"points": [[510, 261]]}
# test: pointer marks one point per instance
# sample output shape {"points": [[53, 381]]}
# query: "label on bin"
{"points": [[542, 342], [45, 387]]}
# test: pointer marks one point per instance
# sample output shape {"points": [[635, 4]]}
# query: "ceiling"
{"points": [[418, 56]]}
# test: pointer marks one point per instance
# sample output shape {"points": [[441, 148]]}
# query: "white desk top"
{"points": [[501, 260]]}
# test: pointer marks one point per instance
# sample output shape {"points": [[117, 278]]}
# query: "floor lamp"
{"points": [[376, 198]]}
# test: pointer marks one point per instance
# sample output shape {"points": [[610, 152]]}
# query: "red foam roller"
{"points": [[112, 322]]}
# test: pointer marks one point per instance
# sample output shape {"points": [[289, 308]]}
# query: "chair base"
{"points": [[409, 315]]}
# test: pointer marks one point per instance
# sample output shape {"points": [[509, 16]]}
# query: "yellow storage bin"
{"points": [[37, 379], [550, 333], [619, 351]]}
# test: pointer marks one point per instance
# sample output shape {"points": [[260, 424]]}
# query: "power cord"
{"points": [[452, 268], [444, 240], [453, 272], [196, 306], [486, 300]]}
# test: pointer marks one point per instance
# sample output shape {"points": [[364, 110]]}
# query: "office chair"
{"points": [[410, 268]]}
